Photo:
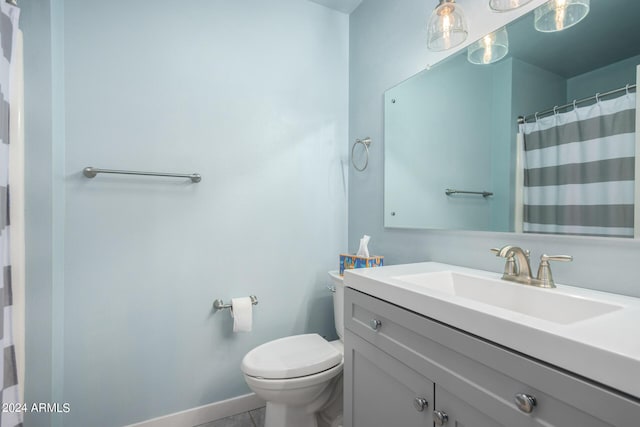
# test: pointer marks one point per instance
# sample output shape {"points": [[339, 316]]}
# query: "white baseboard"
{"points": [[204, 414]]}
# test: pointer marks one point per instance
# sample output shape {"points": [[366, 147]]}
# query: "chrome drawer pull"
{"points": [[375, 324], [440, 418], [420, 403], [525, 402]]}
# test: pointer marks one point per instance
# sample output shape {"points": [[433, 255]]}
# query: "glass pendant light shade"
{"points": [[489, 49], [506, 5], [447, 27], [558, 15]]}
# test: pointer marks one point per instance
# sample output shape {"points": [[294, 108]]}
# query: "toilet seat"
{"points": [[294, 384], [291, 357]]}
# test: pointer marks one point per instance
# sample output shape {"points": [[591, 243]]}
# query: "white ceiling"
{"points": [[345, 6]]}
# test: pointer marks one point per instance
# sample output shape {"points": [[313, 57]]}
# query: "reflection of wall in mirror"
{"points": [[603, 79], [440, 136]]}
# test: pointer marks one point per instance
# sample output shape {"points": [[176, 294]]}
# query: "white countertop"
{"points": [[605, 348]]}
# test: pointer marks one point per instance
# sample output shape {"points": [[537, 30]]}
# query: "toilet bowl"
{"points": [[300, 377]]}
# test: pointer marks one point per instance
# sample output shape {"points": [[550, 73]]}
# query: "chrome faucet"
{"points": [[517, 268]]}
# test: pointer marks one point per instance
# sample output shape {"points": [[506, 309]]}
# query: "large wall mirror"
{"points": [[455, 155]]}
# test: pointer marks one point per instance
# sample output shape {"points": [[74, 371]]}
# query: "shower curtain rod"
{"points": [[524, 119]]}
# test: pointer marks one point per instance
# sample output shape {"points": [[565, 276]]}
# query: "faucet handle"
{"points": [[547, 258], [544, 271]]}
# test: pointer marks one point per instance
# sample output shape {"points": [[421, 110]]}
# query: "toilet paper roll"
{"points": [[242, 313]]}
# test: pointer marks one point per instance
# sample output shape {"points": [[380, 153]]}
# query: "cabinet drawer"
{"points": [[483, 374]]}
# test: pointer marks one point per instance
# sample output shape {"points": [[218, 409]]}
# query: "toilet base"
{"points": [[313, 400], [278, 415], [330, 415], [324, 411]]}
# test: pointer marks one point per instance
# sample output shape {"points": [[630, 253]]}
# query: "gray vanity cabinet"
{"points": [[394, 358], [387, 393]]}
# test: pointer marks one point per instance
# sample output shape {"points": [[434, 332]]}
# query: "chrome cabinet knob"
{"points": [[420, 403], [526, 403], [375, 324], [440, 418]]}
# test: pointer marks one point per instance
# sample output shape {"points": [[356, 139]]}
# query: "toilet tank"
{"points": [[338, 302]]}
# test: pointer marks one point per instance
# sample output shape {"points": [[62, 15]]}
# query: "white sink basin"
{"points": [[537, 302], [593, 334]]}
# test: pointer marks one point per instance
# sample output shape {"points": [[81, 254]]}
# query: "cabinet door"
{"points": [[380, 391], [457, 413]]}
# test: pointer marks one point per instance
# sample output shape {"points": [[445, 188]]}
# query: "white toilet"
{"points": [[300, 377]]}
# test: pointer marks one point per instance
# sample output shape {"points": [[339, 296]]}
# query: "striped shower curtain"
{"points": [[579, 170], [11, 414]]}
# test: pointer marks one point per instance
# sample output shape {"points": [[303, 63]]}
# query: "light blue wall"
{"points": [[603, 79], [36, 25], [42, 25], [253, 96], [387, 45]]}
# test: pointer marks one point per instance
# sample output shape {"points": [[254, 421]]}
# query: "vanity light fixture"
{"points": [[447, 27], [490, 48], [506, 5], [558, 15]]}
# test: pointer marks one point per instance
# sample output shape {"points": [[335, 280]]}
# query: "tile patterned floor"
{"points": [[253, 418]]}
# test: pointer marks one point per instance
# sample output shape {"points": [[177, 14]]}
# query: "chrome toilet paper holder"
{"points": [[220, 305]]}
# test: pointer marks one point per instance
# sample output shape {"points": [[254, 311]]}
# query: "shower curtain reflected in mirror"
{"points": [[579, 170], [11, 414]]}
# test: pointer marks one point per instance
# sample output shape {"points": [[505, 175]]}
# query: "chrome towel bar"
{"points": [[220, 305], [450, 191], [91, 172]]}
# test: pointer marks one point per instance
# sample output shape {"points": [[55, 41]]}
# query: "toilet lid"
{"points": [[291, 357]]}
